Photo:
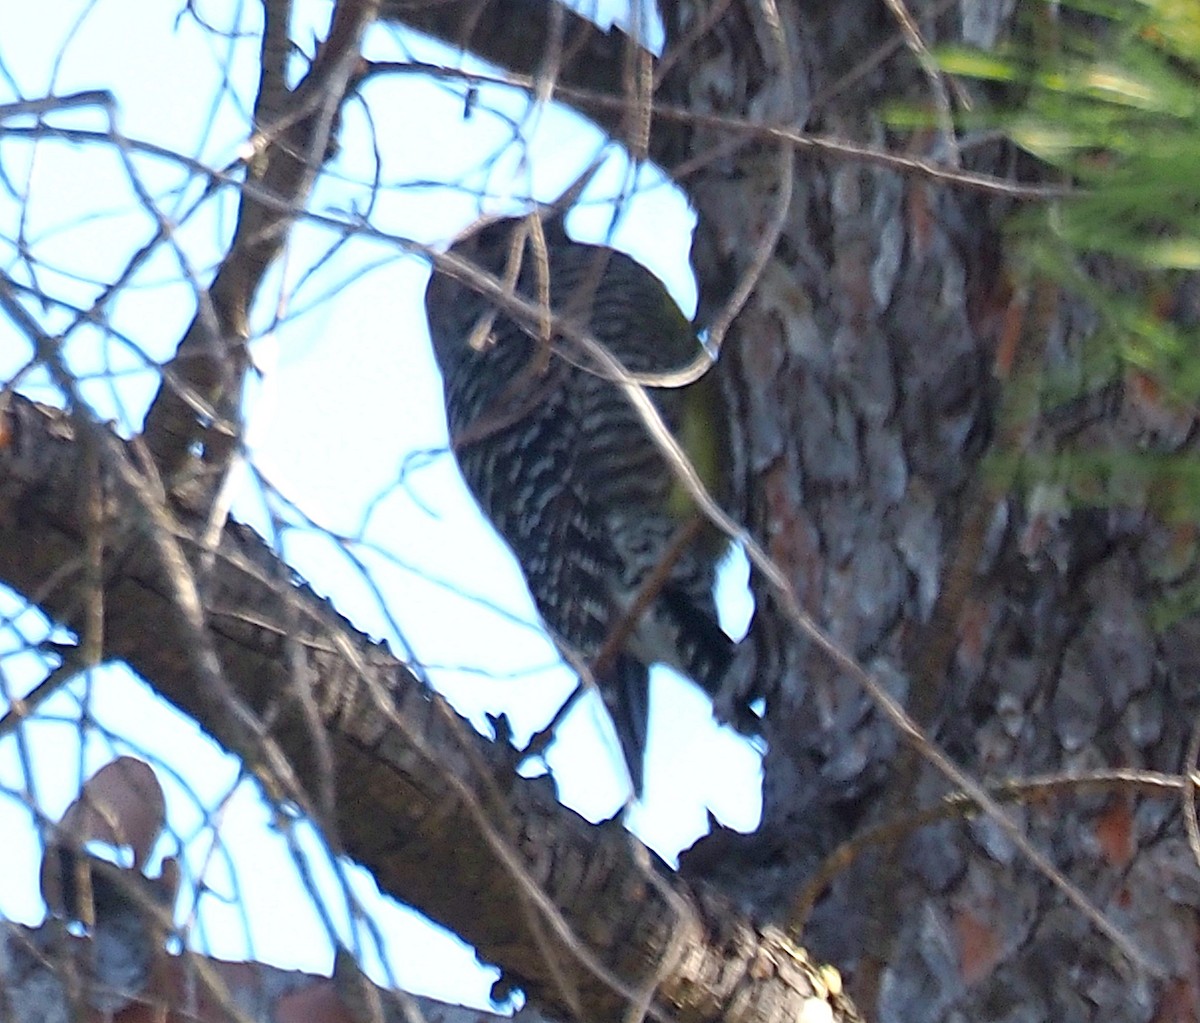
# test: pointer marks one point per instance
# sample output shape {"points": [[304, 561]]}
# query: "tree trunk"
{"points": [[880, 376]]}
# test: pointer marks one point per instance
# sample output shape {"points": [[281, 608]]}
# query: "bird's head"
{"points": [[503, 247]]}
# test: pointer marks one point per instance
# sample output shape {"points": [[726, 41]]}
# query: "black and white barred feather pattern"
{"points": [[564, 468]]}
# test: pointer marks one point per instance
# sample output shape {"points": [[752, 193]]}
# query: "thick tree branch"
{"points": [[34, 963], [577, 914], [517, 35], [557, 49]]}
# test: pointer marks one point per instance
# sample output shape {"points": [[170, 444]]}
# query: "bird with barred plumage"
{"points": [[618, 562]]}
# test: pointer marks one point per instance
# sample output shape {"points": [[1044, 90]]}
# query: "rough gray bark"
{"points": [[35, 991]]}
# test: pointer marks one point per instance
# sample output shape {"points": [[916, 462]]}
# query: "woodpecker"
{"points": [[564, 467]]}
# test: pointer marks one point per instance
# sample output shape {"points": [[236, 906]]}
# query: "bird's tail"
{"points": [[707, 654], [705, 650], [626, 691]]}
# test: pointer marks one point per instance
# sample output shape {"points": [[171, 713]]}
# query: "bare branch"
{"points": [[286, 156], [518, 35]]}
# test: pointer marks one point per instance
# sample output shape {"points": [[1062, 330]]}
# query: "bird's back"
{"points": [[562, 463]]}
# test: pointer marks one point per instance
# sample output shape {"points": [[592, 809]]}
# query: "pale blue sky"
{"points": [[349, 391]]}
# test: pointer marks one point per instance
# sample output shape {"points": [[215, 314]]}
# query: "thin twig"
{"points": [[960, 805], [937, 79], [752, 130]]}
